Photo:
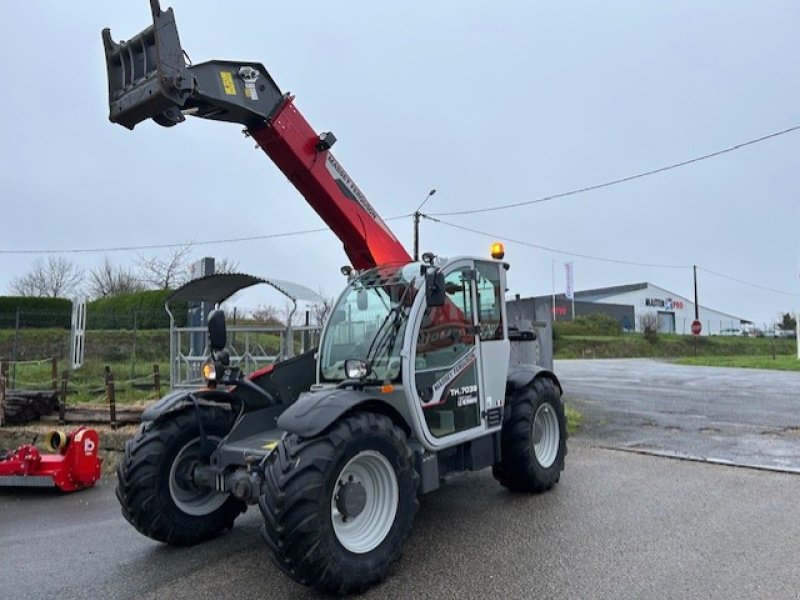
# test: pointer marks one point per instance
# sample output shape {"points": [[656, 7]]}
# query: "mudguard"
{"points": [[178, 399], [520, 377], [315, 411]]}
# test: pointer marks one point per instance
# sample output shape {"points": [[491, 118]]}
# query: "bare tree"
{"points": [[226, 265], [56, 276], [322, 309], [267, 314], [109, 280], [167, 272]]}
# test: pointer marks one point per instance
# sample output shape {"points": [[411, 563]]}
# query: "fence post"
{"points": [[54, 373], [157, 381], [110, 394], [3, 376], [62, 401]]}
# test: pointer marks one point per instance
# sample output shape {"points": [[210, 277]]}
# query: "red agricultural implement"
{"points": [[76, 466]]}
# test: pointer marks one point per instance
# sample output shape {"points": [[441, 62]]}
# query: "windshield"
{"points": [[368, 322]]}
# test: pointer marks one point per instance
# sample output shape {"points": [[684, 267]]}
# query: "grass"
{"points": [[574, 419], [634, 345], [778, 363]]}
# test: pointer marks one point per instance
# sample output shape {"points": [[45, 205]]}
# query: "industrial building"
{"points": [[628, 303]]}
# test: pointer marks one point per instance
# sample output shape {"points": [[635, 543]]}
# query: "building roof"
{"points": [[600, 294], [615, 290]]}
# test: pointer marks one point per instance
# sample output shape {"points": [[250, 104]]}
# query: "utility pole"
{"points": [[417, 216], [553, 277], [696, 307]]}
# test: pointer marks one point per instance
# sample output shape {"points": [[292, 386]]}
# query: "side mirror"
{"points": [[434, 288], [216, 330], [362, 299]]}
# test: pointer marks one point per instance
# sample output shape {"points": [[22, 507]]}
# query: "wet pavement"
{"points": [[746, 417], [618, 525]]}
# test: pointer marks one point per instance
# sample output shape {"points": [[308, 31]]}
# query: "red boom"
{"points": [[292, 144]]}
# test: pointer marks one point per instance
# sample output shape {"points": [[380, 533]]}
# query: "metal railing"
{"points": [[250, 348]]}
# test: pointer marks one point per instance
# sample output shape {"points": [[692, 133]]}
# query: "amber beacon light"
{"points": [[498, 250]]}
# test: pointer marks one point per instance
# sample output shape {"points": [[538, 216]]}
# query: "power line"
{"points": [[743, 282], [555, 250], [179, 244], [609, 260], [621, 180]]}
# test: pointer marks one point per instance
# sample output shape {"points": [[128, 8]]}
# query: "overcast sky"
{"points": [[488, 102]]}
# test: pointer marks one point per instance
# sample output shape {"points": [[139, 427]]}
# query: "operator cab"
{"points": [[431, 338]]}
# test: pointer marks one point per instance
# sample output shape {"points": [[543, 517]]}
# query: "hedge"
{"points": [[10, 304], [137, 310], [30, 311]]}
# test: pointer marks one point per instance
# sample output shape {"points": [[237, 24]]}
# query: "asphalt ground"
{"points": [[618, 525], [748, 417]]}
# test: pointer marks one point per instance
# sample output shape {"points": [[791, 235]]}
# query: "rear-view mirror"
{"points": [[217, 333], [362, 299], [434, 288]]}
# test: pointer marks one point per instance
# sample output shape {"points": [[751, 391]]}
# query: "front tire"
{"points": [[337, 507], [534, 439], [155, 489]]}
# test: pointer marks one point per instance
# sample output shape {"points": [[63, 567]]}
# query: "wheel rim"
{"points": [[365, 531], [546, 435], [189, 498]]}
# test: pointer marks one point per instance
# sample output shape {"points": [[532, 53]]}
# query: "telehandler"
{"points": [[418, 374]]}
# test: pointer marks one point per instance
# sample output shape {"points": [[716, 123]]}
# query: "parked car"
{"points": [[730, 331]]}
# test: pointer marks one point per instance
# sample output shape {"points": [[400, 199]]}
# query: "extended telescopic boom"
{"points": [[148, 78]]}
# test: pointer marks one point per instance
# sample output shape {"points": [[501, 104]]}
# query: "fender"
{"points": [[178, 399], [313, 412], [520, 377]]}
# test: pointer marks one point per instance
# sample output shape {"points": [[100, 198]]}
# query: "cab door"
{"points": [[494, 349], [447, 377]]}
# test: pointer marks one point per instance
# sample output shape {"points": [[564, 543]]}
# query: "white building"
{"points": [[674, 312]]}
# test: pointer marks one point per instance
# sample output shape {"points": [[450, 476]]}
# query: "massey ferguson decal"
{"points": [[439, 388], [351, 191]]}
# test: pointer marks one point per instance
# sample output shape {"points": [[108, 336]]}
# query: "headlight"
{"points": [[209, 371], [355, 368]]}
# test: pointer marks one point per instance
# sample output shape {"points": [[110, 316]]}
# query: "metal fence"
{"points": [[129, 345]]}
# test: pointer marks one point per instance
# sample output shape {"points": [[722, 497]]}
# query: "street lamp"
{"points": [[417, 215]]}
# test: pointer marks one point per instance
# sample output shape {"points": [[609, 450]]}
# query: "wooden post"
{"points": [[3, 379], [110, 394], [54, 373], [157, 381], [62, 401]]}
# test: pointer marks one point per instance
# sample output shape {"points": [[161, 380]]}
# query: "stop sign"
{"points": [[696, 327]]}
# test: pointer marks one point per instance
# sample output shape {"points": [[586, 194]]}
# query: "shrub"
{"points": [[648, 323], [137, 310], [28, 311], [594, 324]]}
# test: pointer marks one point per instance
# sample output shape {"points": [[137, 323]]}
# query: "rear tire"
{"points": [[534, 439], [337, 507], [155, 491]]}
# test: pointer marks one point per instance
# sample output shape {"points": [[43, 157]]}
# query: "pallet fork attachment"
{"points": [[149, 78]]}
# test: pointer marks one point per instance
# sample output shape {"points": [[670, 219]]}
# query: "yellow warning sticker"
{"points": [[227, 82]]}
